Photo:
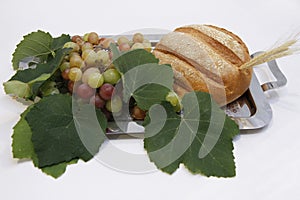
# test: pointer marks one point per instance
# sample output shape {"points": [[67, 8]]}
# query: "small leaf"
{"points": [[17, 88], [201, 138], [35, 44], [58, 136]]}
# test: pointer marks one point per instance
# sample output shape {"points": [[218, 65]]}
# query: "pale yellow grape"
{"points": [[147, 46], [65, 65], [122, 40], [106, 42], [86, 46], [76, 61], [103, 57], [137, 46], [74, 46], [138, 38], [88, 72], [114, 105], [95, 80], [91, 58], [85, 53], [75, 74], [93, 38]]}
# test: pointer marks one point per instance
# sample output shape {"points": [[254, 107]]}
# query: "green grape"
{"points": [[74, 46], [103, 57], [85, 37], [111, 76], [91, 58], [174, 100], [114, 105], [95, 80], [65, 65], [86, 73], [75, 74]]}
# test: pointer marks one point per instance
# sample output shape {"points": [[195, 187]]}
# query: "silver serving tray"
{"points": [[251, 111]]}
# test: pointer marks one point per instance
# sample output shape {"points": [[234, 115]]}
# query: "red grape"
{"points": [[106, 91], [97, 101], [138, 113], [65, 74], [85, 91]]}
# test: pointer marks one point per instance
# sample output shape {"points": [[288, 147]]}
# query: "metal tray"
{"points": [[251, 111]]}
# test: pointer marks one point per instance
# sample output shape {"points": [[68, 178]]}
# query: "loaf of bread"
{"points": [[206, 58]]}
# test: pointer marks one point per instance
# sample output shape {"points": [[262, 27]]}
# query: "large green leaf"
{"points": [[201, 138], [143, 78], [22, 147], [129, 60], [61, 133], [135, 81], [21, 139], [150, 94], [35, 44]]}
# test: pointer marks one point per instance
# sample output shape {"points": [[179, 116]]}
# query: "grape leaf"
{"points": [[143, 78], [131, 59], [59, 42], [31, 74], [35, 44], [150, 94], [201, 138], [146, 84], [62, 132], [34, 78], [22, 147]]}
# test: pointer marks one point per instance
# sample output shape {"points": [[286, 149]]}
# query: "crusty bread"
{"points": [[206, 58]]}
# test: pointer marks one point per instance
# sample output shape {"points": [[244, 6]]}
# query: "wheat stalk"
{"points": [[289, 47]]}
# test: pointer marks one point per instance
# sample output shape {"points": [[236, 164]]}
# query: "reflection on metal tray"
{"points": [[251, 111]]}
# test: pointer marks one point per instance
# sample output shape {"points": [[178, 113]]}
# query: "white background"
{"points": [[268, 161]]}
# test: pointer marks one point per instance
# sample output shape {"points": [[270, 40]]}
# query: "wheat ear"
{"points": [[289, 47]]}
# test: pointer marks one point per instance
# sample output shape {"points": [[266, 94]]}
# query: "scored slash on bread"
{"points": [[206, 58]]}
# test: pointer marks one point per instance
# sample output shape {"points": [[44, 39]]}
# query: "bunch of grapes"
{"points": [[90, 74]]}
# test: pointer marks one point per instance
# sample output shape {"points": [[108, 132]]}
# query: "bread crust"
{"points": [[209, 58]]}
